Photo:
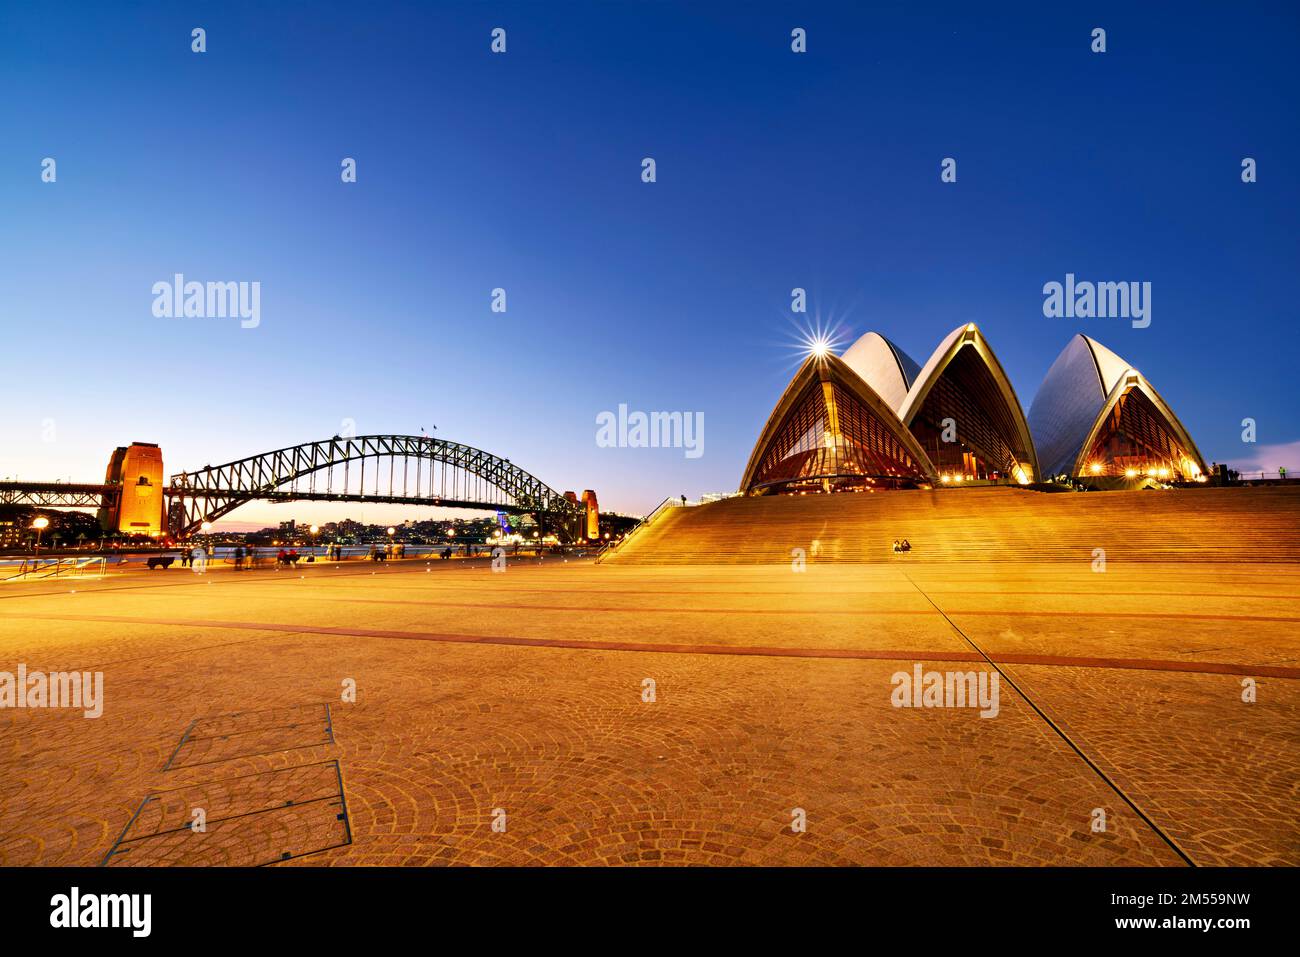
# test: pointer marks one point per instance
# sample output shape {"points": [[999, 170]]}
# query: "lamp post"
{"points": [[40, 523]]}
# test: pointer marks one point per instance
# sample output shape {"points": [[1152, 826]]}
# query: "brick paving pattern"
{"points": [[515, 699]]}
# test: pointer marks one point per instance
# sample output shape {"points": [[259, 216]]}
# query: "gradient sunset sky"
{"points": [[522, 171]]}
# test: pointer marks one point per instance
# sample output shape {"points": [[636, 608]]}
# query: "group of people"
{"points": [[902, 545], [283, 557]]}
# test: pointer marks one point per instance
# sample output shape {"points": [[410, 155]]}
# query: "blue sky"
{"points": [[522, 171]]}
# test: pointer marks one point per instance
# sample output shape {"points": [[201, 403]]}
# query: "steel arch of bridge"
{"points": [[468, 478]]}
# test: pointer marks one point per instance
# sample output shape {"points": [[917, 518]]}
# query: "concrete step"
{"points": [[974, 525]]}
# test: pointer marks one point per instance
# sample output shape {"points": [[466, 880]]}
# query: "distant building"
{"points": [[12, 532]]}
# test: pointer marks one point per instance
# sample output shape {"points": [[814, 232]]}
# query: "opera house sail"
{"points": [[1097, 417], [964, 412], [884, 366], [875, 419], [831, 432]]}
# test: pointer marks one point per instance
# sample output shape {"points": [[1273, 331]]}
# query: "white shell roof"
{"points": [[1073, 394], [884, 366]]}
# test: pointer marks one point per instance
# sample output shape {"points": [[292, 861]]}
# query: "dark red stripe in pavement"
{"points": [[597, 590], [850, 612], [1134, 664]]}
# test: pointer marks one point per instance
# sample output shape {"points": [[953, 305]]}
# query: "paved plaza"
{"points": [[561, 712]]}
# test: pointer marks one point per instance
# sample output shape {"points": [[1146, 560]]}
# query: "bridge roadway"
{"points": [[56, 494]]}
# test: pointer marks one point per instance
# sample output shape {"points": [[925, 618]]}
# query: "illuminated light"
{"points": [[391, 530], [1163, 473], [958, 477], [1095, 468], [817, 341], [945, 478], [315, 529], [1130, 473], [41, 522]]}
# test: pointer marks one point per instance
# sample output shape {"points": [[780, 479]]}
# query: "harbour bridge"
{"points": [[401, 469]]}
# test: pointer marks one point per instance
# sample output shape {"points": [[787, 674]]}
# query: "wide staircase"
{"points": [[978, 525]]}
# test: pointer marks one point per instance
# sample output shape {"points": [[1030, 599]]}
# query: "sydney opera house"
{"points": [[875, 419]]}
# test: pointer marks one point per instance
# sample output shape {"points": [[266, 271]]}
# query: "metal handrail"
{"points": [[663, 506], [53, 567]]}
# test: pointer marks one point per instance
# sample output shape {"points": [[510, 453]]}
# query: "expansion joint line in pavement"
{"points": [[1173, 845]]}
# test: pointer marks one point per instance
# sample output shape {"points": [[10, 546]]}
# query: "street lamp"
{"points": [[40, 523]]}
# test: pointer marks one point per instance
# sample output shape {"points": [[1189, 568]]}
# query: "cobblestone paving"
{"points": [[499, 718]]}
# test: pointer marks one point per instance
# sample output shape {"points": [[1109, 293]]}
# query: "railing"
{"points": [[662, 508], [649, 517], [39, 568], [1277, 475]]}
